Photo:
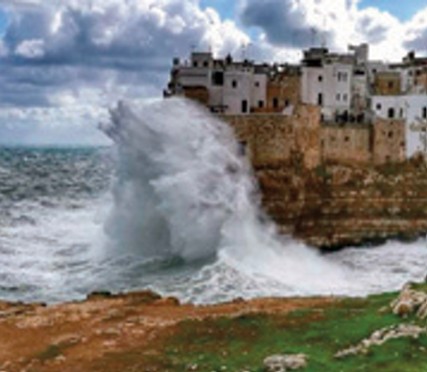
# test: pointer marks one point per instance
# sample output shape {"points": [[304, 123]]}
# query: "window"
{"points": [[218, 78], [338, 97], [244, 106], [287, 102], [390, 85], [320, 99], [234, 84], [401, 112], [339, 76], [391, 113], [320, 78], [390, 134], [379, 107], [275, 102], [195, 64], [347, 139], [260, 104], [345, 97], [425, 113], [257, 84], [206, 64]]}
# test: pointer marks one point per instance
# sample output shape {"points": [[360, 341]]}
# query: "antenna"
{"points": [[313, 36], [324, 41], [243, 51]]}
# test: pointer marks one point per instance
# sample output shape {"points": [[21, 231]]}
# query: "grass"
{"points": [[241, 344]]}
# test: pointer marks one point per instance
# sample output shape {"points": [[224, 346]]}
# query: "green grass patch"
{"points": [[242, 343]]}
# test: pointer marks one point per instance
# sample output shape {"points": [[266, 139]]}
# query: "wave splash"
{"points": [[184, 191]]}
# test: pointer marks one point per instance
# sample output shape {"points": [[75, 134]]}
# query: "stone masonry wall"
{"points": [[348, 144], [389, 141], [273, 140]]}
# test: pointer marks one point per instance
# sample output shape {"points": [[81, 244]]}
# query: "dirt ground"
{"points": [[83, 336]]}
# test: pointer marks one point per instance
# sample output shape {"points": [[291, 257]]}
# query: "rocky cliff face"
{"points": [[333, 206]]}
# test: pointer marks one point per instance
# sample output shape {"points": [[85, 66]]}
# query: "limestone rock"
{"points": [[283, 363], [382, 336], [409, 302]]}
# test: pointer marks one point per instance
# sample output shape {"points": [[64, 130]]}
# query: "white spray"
{"points": [[183, 190]]}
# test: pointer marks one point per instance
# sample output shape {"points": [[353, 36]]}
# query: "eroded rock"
{"points": [[283, 363], [381, 336]]}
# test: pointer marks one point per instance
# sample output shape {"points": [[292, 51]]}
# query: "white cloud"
{"points": [[75, 57], [30, 48]]}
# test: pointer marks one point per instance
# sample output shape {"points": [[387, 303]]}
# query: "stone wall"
{"points": [[387, 83], [198, 94], [348, 144], [274, 140], [389, 141]]}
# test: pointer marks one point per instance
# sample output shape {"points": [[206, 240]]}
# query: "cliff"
{"points": [[332, 206]]}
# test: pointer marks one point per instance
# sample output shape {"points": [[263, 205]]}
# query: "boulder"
{"points": [[283, 363]]}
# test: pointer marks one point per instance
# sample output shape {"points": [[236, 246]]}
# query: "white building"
{"points": [[332, 80], [412, 109], [233, 88]]}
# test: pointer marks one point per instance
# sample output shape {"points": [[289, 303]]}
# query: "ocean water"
{"points": [[171, 207]]}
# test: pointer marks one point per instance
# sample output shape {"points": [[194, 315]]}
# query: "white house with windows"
{"points": [[327, 80], [233, 87], [413, 109]]}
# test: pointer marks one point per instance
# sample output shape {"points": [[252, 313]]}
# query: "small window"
{"points": [[195, 64], [234, 84], [320, 99], [287, 103], [320, 78], [257, 84], [347, 139], [391, 113], [338, 97], [275, 102], [379, 107], [206, 64], [344, 97], [244, 106], [390, 134], [218, 78], [401, 112], [424, 112], [260, 104], [390, 85]]}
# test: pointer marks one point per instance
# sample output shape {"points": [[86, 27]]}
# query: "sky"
{"points": [[64, 63]]}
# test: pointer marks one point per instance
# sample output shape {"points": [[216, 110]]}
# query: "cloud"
{"points": [[67, 54], [416, 35], [30, 49], [300, 24]]}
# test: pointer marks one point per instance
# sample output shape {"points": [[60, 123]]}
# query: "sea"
{"points": [[172, 207]]}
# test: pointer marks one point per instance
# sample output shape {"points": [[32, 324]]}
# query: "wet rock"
{"points": [[283, 363]]}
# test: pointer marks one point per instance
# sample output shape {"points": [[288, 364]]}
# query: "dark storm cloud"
{"points": [[51, 48]]}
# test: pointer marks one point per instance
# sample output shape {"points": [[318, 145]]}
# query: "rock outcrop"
{"points": [[283, 363], [334, 206], [410, 302], [382, 336]]}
